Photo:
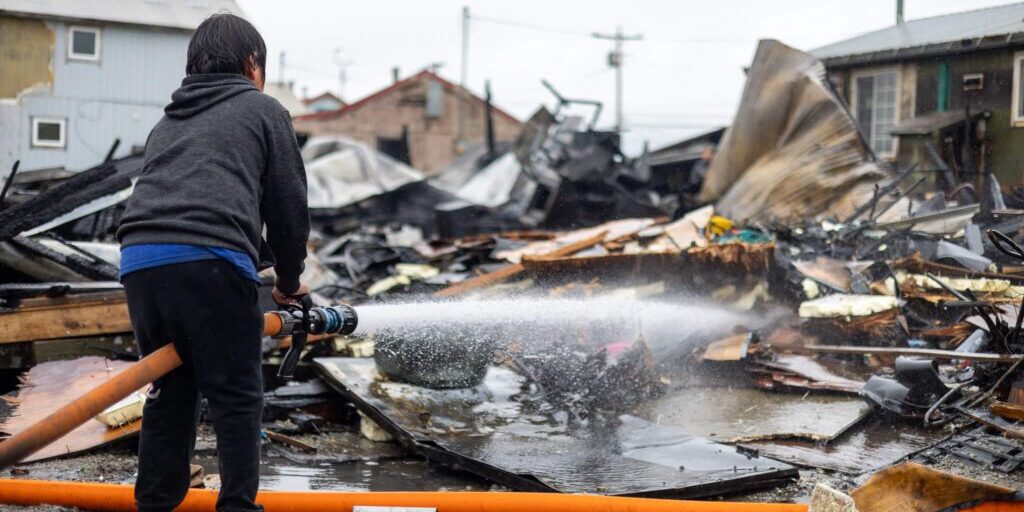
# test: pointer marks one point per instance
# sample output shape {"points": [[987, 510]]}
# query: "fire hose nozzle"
{"points": [[340, 319], [301, 322]]}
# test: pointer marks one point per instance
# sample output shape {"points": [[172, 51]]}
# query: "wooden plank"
{"points": [[48, 387], [290, 441], [733, 348], [923, 352], [511, 270], [1009, 411], [66, 318]]}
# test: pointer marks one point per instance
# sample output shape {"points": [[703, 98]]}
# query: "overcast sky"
{"points": [[684, 77]]}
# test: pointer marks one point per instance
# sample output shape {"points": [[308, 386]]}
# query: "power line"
{"points": [[677, 126], [684, 40], [530, 26]]}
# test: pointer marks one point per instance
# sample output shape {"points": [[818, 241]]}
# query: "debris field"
{"points": [[808, 324]]}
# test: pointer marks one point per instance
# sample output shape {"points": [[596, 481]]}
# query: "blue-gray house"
{"points": [[77, 74]]}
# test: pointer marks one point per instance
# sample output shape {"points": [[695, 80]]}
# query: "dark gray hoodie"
{"points": [[222, 163]]}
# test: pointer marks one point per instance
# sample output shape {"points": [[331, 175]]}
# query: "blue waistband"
{"points": [[143, 256]]}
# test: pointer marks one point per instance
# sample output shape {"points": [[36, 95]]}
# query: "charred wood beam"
{"points": [[92, 269], [7, 183], [63, 198]]}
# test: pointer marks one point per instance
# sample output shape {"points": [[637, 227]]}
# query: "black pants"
{"points": [[212, 316]]}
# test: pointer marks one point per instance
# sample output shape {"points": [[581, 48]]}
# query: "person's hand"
{"points": [[290, 299]]}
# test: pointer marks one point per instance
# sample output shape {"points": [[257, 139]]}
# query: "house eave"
{"points": [[936, 50]]}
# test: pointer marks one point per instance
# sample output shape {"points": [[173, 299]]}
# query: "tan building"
{"points": [[420, 113]]}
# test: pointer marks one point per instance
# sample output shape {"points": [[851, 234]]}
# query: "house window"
{"points": [[48, 133], [875, 102], [84, 43], [1018, 93]]}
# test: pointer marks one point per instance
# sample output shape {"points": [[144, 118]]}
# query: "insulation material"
{"points": [[838, 306], [793, 150], [25, 57]]}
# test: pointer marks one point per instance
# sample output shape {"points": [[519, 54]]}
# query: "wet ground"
{"points": [[345, 461]]}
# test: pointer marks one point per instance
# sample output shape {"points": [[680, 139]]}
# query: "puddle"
{"points": [[871, 446], [281, 474]]}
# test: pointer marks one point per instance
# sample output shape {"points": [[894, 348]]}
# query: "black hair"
{"points": [[224, 43]]}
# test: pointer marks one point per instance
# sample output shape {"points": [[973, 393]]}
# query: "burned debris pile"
{"points": [[551, 315]]}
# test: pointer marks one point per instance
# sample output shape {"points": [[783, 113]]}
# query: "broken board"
{"points": [[505, 432], [736, 415], [912, 487], [870, 446], [66, 317], [50, 386]]}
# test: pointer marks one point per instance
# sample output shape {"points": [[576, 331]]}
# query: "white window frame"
{"points": [[896, 106], [84, 56], [1016, 116], [58, 144]]}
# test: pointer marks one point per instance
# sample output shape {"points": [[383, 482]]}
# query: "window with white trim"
{"points": [[84, 43], [48, 133], [875, 100], [1017, 109]]}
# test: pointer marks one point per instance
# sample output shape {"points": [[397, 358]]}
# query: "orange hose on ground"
{"points": [[69, 417], [117, 498], [997, 506], [93, 402]]}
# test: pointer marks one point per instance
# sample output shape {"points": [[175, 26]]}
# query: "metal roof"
{"points": [[957, 27], [179, 14]]}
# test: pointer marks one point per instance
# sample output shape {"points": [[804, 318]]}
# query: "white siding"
{"points": [[121, 96], [10, 134]]}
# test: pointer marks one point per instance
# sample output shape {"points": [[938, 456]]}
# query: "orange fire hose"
{"points": [[116, 498], [95, 401]]}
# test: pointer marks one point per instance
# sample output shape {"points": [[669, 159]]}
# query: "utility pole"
{"points": [[342, 67], [899, 12], [460, 140], [615, 61]]}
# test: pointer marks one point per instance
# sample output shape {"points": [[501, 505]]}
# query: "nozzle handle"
{"points": [[300, 334]]}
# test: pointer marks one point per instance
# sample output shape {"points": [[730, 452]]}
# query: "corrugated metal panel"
{"points": [[179, 14], [993, 21], [793, 151]]}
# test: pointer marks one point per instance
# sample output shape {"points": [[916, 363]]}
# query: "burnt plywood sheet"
{"points": [[50, 386], [745, 415], [872, 446], [504, 431]]}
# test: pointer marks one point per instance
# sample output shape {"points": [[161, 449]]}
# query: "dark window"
{"points": [[48, 133], [84, 44]]}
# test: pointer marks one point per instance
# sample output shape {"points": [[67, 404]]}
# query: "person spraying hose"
{"points": [[221, 166]]}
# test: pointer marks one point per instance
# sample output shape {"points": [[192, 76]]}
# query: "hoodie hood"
{"points": [[200, 92]]}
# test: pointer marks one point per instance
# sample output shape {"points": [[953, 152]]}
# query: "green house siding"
{"points": [[996, 97], [997, 68]]}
